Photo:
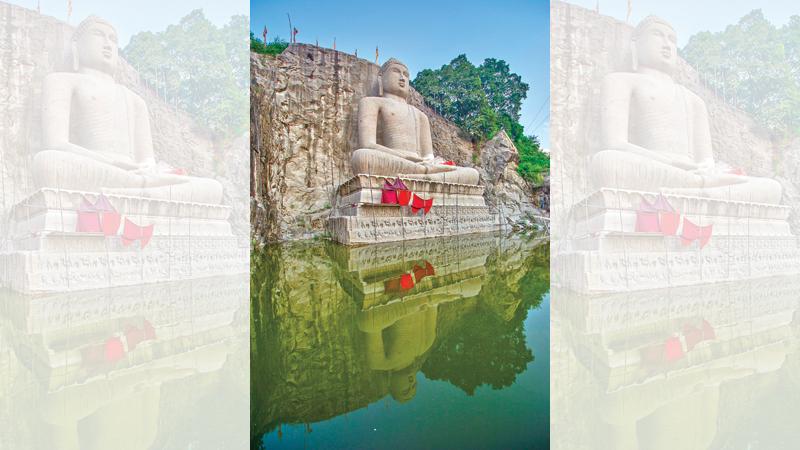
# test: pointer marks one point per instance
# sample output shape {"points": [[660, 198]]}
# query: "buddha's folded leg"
{"points": [[375, 162], [454, 174], [182, 188], [625, 170], [752, 189], [64, 170]]}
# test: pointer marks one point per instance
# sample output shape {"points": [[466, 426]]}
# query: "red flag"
{"points": [[294, 35]]}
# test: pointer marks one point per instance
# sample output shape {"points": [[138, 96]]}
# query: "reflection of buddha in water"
{"points": [[96, 132], [655, 132], [398, 335]]}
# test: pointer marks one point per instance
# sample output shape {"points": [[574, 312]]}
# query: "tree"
{"points": [[756, 66], [483, 100], [199, 66], [504, 90]]}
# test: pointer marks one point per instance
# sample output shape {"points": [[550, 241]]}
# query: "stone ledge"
{"points": [[364, 181], [367, 230], [164, 259], [628, 200], [724, 259], [66, 200]]}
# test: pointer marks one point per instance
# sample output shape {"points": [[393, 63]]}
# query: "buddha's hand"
{"points": [[705, 168], [413, 157], [123, 164], [684, 163]]}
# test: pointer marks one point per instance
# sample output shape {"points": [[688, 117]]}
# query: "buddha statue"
{"points": [[655, 133], [394, 138], [96, 133]]}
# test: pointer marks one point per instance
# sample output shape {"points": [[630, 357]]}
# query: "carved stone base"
{"points": [[46, 253], [604, 253], [360, 218]]}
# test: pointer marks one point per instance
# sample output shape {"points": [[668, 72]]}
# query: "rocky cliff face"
{"points": [[34, 45], [303, 107], [585, 47]]}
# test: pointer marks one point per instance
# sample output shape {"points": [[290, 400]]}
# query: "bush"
{"points": [[276, 47]]}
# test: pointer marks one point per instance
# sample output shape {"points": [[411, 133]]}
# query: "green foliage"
{"points": [[756, 66], [276, 47], [202, 68], [483, 100], [533, 163]]}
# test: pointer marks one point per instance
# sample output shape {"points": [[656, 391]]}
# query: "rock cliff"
{"points": [[586, 46], [303, 106], [34, 45]]}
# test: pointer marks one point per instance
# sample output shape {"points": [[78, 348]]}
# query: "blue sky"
{"points": [[428, 34], [131, 17], [691, 16]]}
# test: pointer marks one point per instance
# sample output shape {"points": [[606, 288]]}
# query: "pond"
{"points": [[438, 343]]}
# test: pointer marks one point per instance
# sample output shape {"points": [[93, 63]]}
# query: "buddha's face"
{"points": [[97, 47], [656, 47], [403, 384], [395, 80]]}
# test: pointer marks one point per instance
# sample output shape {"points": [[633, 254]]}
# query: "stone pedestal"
{"points": [[46, 253], [359, 217], [605, 253]]}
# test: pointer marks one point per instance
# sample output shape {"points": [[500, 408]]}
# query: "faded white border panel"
{"points": [[675, 258], [124, 224]]}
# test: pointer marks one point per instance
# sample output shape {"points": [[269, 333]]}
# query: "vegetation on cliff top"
{"points": [[755, 66], [482, 100], [199, 67], [276, 47]]}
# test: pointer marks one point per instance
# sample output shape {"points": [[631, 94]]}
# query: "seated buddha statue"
{"points": [[96, 133], [394, 138], [655, 133]]}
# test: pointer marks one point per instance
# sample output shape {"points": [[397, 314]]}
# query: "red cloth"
{"points": [[669, 221], [389, 197], [394, 193], [418, 203], [647, 221], [422, 272], [737, 171], [672, 349], [406, 282], [114, 350], [110, 222], [88, 222], [449, 163], [692, 232], [402, 283], [132, 232], [98, 216], [403, 197]]}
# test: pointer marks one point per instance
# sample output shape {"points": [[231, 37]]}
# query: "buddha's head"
{"points": [[403, 384], [655, 45], [394, 78], [94, 45]]}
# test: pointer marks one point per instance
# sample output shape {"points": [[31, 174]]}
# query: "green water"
{"points": [[438, 343]]}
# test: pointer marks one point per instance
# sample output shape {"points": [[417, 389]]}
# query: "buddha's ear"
{"points": [[634, 58], [75, 61], [380, 85]]}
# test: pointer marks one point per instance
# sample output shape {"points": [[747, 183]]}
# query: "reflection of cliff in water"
{"points": [[119, 368], [336, 328], [685, 367]]}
